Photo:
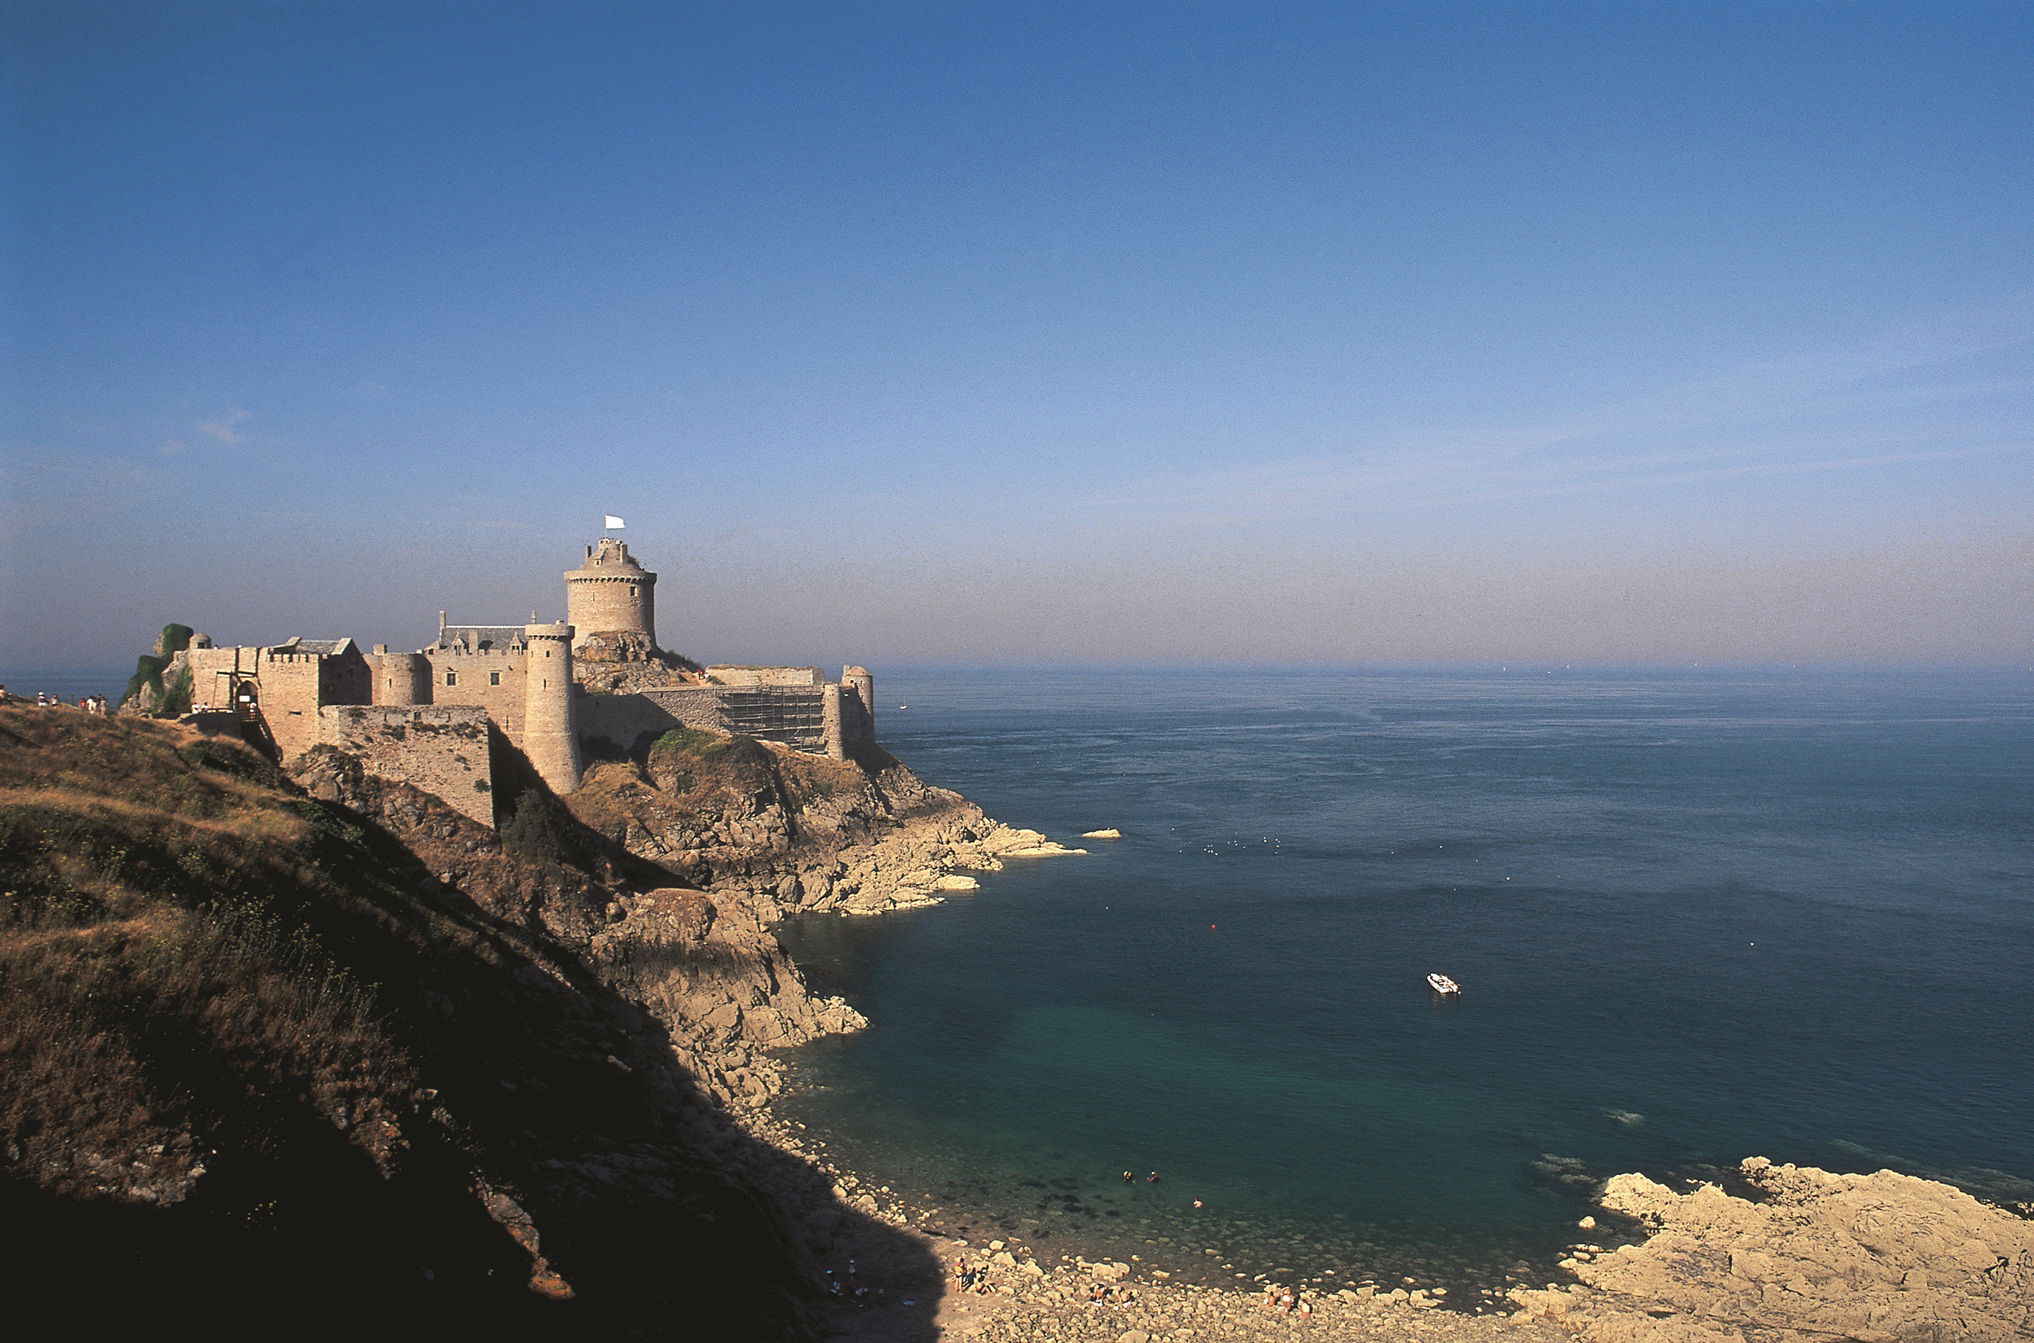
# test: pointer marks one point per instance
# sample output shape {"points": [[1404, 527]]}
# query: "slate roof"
{"points": [[322, 647], [481, 636]]}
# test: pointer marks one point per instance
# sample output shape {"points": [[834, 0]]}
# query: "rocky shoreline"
{"points": [[1801, 1254], [567, 1045]]}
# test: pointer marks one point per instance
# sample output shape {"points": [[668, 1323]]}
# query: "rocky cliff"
{"points": [[323, 1044], [788, 831]]}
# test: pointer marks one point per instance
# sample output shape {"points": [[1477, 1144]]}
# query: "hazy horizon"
{"points": [[1108, 335]]}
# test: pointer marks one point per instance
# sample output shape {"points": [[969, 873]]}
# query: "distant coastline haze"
{"points": [[1288, 333]]}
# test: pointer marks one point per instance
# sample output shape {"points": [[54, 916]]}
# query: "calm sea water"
{"points": [[1697, 916], [69, 684]]}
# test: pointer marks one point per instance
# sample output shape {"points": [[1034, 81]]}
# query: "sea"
{"points": [[69, 684], [1697, 915]]}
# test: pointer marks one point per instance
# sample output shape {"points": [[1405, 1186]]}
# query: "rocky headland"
{"points": [[787, 832], [323, 1029]]}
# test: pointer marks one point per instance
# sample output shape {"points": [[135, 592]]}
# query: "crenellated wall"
{"points": [[288, 687]]}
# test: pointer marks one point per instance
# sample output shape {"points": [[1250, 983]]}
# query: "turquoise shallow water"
{"points": [[1698, 915]]}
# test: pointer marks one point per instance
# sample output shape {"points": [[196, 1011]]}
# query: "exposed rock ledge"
{"points": [[795, 832], [1881, 1258]]}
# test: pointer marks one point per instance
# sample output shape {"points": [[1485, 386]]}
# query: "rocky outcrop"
{"points": [[161, 684], [706, 966], [1880, 1258], [796, 832], [624, 663], [714, 969]]}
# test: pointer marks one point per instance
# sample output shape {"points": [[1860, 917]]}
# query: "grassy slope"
{"points": [[258, 1059]]}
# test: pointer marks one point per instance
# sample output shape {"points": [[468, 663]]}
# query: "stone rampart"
{"points": [[211, 680], [288, 696], [807, 677], [795, 717], [621, 724], [441, 749]]}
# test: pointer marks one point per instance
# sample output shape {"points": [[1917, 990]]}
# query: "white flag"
{"points": [[613, 521]]}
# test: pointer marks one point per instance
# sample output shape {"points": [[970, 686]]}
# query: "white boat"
{"points": [[1441, 984]]}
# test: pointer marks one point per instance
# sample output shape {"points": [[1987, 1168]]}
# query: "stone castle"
{"points": [[595, 684]]}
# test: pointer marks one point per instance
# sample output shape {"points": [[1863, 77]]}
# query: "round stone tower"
{"points": [[864, 686], [399, 678], [550, 738], [858, 709], [610, 600]]}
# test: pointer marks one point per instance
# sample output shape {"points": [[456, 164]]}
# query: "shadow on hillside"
{"points": [[558, 1095]]}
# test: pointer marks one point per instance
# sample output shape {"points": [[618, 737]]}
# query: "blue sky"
{"points": [[981, 332]]}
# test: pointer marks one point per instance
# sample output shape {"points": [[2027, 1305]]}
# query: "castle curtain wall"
{"points": [[491, 678], [442, 749]]}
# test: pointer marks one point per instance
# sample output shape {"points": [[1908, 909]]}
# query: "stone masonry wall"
{"points": [[442, 749], [806, 677], [794, 716], [490, 678], [209, 689], [611, 723], [288, 685]]}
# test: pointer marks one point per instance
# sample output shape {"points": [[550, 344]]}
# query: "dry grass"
{"points": [[153, 975], [309, 1043]]}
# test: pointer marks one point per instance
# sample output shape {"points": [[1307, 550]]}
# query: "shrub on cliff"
{"points": [[686, 758], [533, 831]]}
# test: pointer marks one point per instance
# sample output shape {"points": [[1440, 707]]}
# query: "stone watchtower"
{"points": [[610, 602], [550, 738]]}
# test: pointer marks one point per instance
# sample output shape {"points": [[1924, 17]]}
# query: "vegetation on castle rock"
{"points": [[146, 687]]}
